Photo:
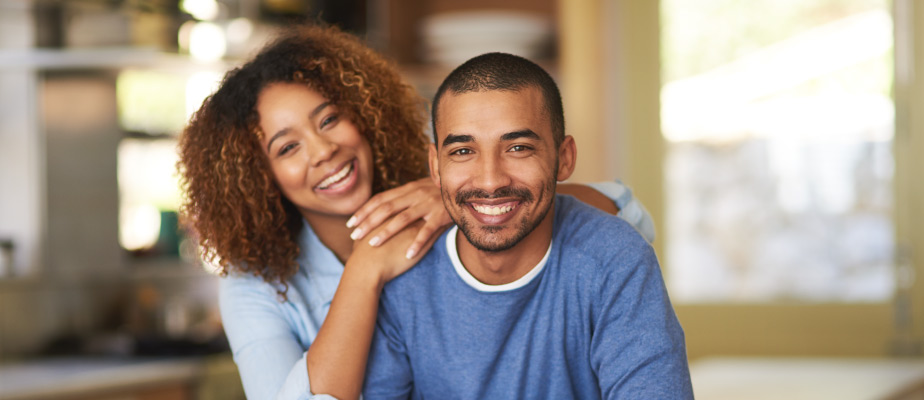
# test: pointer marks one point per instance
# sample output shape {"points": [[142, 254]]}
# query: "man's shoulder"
{"points": [[597, 243], [581, 225], [425, 269]]}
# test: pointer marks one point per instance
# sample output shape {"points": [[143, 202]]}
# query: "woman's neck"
{"points": [[333, 233]]}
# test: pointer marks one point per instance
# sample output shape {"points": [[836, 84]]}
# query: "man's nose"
{"points": [[491, 174]]}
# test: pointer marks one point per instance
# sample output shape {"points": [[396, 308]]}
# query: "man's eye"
{"points": [[461, 152], [519, 147]]}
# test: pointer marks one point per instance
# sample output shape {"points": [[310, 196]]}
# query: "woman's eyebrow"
{"points": [[282, 132], [317, 110]]}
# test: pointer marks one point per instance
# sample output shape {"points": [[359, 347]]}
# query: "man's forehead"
{"points": [[523, 93], [501, 110]]}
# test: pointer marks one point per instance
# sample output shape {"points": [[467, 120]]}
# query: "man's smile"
{"points": [[494, 209]]}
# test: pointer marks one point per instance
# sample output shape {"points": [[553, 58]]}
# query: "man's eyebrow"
{"points": [[451, 138], [521, 134], [282, 132]]}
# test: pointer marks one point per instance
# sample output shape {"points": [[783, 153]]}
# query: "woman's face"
{"points": [[319, 159]]}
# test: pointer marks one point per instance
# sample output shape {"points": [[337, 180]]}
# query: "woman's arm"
{"points": [[336, 360], [590, 196], [268, 350], [630, 208]]}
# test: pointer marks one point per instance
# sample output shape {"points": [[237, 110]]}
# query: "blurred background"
{"points": [[776, 143]]}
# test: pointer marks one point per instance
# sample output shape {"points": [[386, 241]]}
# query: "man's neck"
{"points": [[501, 267]]}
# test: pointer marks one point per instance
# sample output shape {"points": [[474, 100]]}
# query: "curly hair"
{"points": [[233, 206]]}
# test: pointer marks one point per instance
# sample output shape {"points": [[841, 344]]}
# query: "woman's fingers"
{"points": [[373, 205], [395, 224], [391, 203], [425, 238], [380, 214]]}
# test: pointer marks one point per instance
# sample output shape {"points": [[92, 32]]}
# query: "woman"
{"points": [[315, 142]]}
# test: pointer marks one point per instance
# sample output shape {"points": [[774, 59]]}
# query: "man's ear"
{"points": [[567, 158], [434, 165]]}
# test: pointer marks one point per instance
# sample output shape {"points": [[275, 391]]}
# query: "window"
{"points": [[153, 109], [778, 123]]}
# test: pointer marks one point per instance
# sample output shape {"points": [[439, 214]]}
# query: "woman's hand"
{"points": [[389, 259], [393, 210]]}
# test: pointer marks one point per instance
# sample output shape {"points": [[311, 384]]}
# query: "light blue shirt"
{"points": [[269, 338]]}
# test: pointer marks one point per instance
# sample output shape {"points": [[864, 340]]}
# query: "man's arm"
{"points": [[637, 347]]}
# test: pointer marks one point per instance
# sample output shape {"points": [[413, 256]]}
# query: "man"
{"points": [[542, 296]]}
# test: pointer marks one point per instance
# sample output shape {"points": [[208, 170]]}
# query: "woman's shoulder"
{"points": [[238, 285]]}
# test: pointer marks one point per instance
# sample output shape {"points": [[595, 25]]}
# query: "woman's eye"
{"points": [[286, 149], [329, 120]]}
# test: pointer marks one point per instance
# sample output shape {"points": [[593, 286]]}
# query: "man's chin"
{"points": [[492, 238], [489, 245]]}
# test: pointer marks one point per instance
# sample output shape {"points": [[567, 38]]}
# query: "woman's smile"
{"points": [[341, 180]]}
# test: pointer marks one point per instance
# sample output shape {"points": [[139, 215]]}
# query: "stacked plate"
{"points": [[453, 38]]}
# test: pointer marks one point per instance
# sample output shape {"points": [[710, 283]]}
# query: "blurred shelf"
{"points": [[102, 58]]}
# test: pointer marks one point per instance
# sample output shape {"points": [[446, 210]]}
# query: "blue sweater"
{"points": [[594, 322]]}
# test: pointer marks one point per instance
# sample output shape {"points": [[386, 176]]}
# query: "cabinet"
{"points": [[398, 21]]}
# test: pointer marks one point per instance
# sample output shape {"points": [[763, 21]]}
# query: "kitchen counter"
{"points": [[808, 378], [122, 378]]}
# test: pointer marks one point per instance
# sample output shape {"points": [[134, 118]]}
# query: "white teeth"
{"points": [[336, 177], [492, 210]]}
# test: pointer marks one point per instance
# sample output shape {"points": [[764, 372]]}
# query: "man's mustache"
{"points": [[464, 196]]}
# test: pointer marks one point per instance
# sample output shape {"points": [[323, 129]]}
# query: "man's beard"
{"points": [[479, 237]]}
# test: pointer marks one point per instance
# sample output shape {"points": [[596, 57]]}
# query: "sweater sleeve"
{"points": [[637, 347], [630, 208], [269, 357], [388, 371]]}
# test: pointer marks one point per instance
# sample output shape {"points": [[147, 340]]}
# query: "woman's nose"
{"points": [[320, 149]]}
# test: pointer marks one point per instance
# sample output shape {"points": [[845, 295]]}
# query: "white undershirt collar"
{"points": [[483, 287]]}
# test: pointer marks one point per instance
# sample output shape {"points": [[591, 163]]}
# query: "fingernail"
{"points": [[410, 254], [351, 222], [375, 241], [357, 233]]}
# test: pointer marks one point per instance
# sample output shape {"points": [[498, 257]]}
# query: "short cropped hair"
{"points": [[502, 71]]}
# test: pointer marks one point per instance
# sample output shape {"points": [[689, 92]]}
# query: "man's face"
{"points": [[497, 164]]}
